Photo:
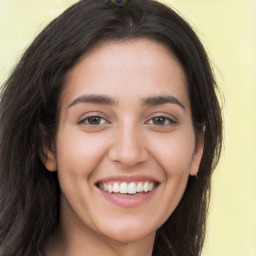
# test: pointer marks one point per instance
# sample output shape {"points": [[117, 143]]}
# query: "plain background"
{"points": [[227, 28]]}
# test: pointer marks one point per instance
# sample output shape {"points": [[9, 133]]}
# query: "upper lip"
{"points": [[124, 178]]}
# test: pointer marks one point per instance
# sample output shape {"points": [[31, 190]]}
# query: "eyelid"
{"points": [[170, 120], [84, 118], [166, 116]]}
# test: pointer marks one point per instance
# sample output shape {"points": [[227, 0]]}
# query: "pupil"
{"points": [[94, 120], [159, 120]]}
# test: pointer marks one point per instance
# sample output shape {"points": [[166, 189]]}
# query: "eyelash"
{"points": [[162, 118], [86, 120], [150, 121]]}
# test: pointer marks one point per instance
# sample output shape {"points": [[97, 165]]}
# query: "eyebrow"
{"points": [[107, 100], [158, 100], [97, 99]]}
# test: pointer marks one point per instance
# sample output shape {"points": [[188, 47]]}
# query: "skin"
{"points": [[128, 141]]}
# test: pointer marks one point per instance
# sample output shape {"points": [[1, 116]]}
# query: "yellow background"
{"points": [[228, 31]]}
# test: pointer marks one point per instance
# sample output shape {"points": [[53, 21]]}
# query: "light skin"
{"points": [[124, 115]]}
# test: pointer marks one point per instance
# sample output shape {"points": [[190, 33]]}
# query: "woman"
{"points": [[110, 131]]}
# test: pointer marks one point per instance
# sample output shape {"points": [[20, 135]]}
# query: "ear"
{"points": [[49, 159], [198, 153]]}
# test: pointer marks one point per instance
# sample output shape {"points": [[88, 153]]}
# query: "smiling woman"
{"points": [[105, 123]]}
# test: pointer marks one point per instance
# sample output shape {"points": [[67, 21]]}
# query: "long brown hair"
{"points": [[29, 194]]}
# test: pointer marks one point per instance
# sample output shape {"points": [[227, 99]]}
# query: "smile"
{"points": [[128, 188]]}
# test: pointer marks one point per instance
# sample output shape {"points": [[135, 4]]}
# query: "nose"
{"points": [[128, 147]]}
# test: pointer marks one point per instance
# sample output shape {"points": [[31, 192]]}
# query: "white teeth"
{"points": [[139, 187], [145, 187], [131, 188], [115, 188], [127, 188], [110, 189], [123, 188], [105, 187], [151, 186]]}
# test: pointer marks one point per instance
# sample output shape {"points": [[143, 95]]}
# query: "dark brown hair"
{"points": [[29, 194]]}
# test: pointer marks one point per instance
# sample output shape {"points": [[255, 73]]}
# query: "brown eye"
{"points": [[94, 120], [160, 120]]}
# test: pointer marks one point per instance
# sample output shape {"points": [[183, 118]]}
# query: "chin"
{"points": [[129, 233]]}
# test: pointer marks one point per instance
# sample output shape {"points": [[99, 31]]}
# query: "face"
{"points": [[125, 144]]}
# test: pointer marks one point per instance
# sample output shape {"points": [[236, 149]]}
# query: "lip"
{"points": [[127, 201]]}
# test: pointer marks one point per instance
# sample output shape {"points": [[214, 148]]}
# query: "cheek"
{"points": [[79, 153], [174, 152]]}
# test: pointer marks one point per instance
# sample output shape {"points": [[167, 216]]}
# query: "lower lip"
{"points": [[129, 201]]}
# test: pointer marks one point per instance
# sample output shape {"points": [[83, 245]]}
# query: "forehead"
{"points": [[127, 68]]}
